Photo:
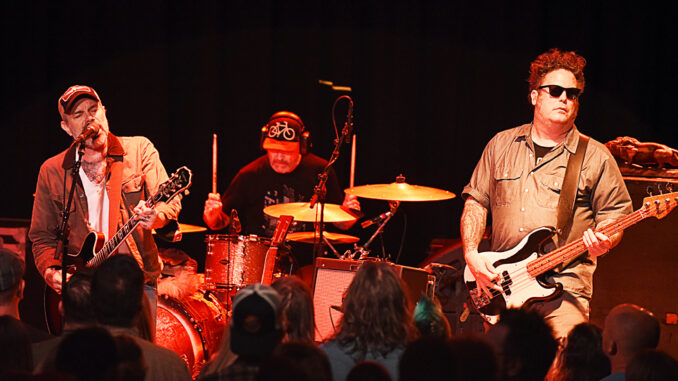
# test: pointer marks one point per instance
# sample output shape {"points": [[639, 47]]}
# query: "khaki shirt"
{"points": [[522, 195]]}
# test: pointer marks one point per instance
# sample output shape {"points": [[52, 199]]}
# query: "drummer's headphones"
{"points": [[304, 139]]}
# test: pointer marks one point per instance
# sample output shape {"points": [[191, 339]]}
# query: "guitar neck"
{"points": [[119, 237], [575, 248]]}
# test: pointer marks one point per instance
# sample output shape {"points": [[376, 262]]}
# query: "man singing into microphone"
{"points": [[286, 173], [116, 176]]}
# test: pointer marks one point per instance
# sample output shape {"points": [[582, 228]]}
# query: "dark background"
{"points": [[432, 82]]}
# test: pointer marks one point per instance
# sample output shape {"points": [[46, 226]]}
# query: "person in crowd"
{"points": [[117, 297], [77, 312], [428, 358], [296, 361], [296, 310], [16, 360], [377, 322], [650, 365], [628, 330], [524, 345], [12, 292], [254, 333], [430, 319], [581, 357], [474, 358]]}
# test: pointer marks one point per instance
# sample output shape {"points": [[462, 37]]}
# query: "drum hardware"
{"points": [[400, 191], [302, 211], [363, 251]]}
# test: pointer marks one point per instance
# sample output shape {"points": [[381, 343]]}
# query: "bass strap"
{"points": [[568, 193]]}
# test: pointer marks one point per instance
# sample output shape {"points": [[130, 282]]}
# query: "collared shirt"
{"points": [[522, 195]]}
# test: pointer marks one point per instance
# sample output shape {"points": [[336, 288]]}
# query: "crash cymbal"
{"points": [[301, 211], [309, 237], [186, 228], [400, 191]]}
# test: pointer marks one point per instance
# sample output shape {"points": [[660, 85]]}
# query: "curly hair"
{"points": [[556, 59], [295, 310], [377, 315]]}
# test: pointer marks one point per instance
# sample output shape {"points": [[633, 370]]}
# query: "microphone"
{"points": [[92, 129], [376, 220]]}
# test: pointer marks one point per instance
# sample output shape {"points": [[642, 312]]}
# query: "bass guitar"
{"points": [[522, 269]]}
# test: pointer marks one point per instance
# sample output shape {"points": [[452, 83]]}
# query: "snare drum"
{"points": [[234, 261], [192, 327]]}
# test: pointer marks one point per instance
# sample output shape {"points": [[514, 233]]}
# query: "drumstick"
{"points": [[214, 163], [352, 179]]}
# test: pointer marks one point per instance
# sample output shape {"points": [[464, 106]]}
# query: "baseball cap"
{"points": [[255, 330], [283, 131], [11, 269], [68, 98]]}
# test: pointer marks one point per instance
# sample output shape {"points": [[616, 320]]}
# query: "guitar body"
{"points": [[519, 287], [93, 243]]}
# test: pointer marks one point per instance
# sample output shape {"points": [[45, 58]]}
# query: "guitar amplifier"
{"points": [[332, 278]]}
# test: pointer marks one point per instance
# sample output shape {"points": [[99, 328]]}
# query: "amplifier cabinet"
{"points": [[333, 276]]}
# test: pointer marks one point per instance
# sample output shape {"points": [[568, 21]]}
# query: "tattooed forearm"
{"points": [[473, 220]]}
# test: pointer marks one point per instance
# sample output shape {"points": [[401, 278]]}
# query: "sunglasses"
{"points": [[572, 93]]}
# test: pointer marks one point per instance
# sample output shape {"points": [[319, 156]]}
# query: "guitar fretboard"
{"points": [[662, 205]]}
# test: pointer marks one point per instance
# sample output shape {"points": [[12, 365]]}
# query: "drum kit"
{"points": [[235, 261]]}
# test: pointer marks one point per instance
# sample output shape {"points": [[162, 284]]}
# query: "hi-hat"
{"points": [[186, 228], [301, 211], [333, 238], [400, 191]]}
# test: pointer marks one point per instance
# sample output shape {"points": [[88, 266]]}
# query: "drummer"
{"points": [[286, 173]]}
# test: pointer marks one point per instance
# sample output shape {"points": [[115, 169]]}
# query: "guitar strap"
{"points": [[114, 197], [568, 193]]}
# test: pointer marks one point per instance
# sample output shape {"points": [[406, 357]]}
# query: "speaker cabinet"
{"points": [[643, 268], [332, 278]]}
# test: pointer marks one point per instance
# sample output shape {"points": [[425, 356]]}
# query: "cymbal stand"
{"points": [[363, 250]]}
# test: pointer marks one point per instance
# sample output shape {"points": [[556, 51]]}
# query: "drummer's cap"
{"points": [[283, 132], [11, 269], [255, 330], [68, 98]]}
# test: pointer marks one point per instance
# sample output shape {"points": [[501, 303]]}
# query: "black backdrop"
{"points": [[432, 82]]}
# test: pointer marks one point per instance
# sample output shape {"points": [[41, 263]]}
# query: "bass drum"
{"points": [[192, 327]]}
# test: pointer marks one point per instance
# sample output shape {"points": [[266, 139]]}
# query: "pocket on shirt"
{"points": [[549, 192], [506, 181], [133, 188]]}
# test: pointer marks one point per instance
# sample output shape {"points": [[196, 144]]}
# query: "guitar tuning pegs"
{"points": [[649, 190], [669, 188]]}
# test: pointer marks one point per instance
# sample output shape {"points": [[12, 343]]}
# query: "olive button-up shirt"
{"points": [[522, 194]]}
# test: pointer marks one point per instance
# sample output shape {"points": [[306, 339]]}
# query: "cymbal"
{"points": [[309, 237], [301, 211], [400, 191], [186, 228]]}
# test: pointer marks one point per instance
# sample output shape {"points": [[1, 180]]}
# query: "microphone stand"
{"points": [[320, 190], [63, 232]]}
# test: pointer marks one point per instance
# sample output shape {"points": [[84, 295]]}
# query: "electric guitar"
{"points": [[279, 234], [94, 251], [522, 269]]}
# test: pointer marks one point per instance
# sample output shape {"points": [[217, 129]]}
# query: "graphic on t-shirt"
{"points": [[281, 196]]}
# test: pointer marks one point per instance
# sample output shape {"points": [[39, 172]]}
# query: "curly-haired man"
{"points": [[519, 178]]}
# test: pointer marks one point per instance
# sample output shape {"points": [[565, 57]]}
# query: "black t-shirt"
{"points": [[257, 186]]}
